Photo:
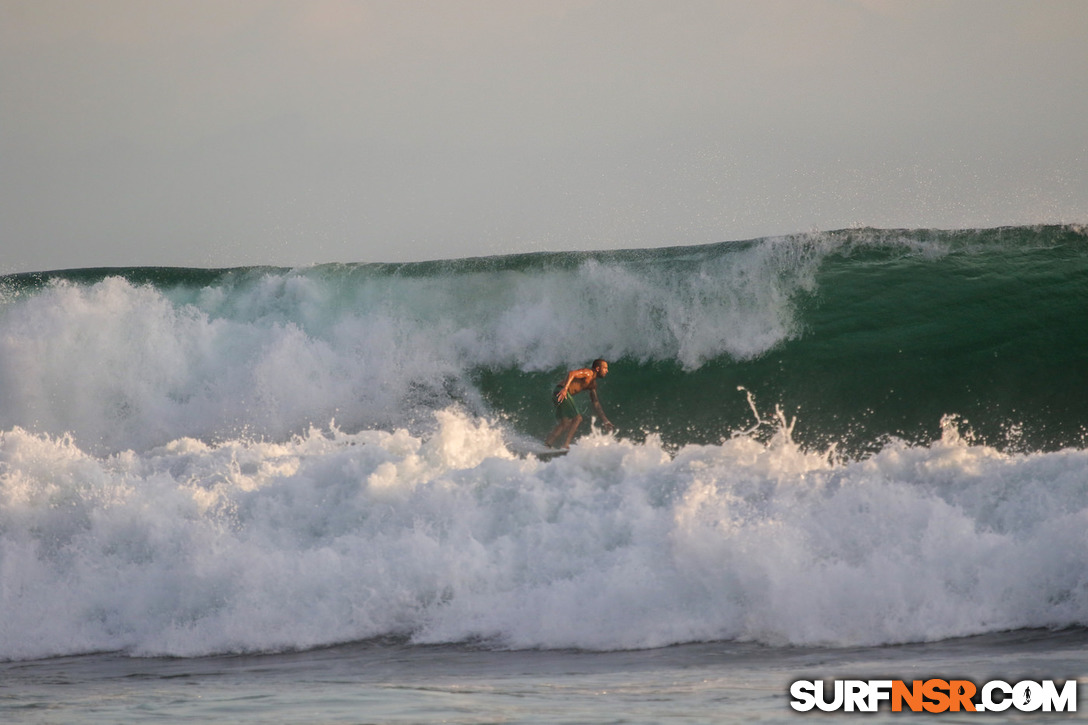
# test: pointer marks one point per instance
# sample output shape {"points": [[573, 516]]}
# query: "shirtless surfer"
{"points": [[567, 411]]}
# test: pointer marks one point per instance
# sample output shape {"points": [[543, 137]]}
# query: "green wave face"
{"points": [[892, 333]]}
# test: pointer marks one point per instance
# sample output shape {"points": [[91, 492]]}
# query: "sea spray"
{"points": [[190, 548]]}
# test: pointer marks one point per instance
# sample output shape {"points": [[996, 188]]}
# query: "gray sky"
{"points": [[234, 132]]}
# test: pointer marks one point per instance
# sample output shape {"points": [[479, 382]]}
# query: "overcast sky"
{"points": [[237, 132]]}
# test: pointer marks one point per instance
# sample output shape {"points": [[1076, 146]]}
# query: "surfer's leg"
{"points": [[564, 429], [556, 431], [574, 423]]}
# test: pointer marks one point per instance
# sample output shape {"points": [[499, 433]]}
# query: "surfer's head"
{"points": [[600, 367]]}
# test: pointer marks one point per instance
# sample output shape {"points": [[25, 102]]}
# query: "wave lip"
{"points": [[132, 363], [871, 334]]}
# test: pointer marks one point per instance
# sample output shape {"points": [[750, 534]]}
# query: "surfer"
{"points": [[568, 413]]}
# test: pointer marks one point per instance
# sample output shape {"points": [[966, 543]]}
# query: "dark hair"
{"points": [[598, 361]]}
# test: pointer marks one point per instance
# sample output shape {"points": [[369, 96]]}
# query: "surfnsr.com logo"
{"points": [[933, 695]]}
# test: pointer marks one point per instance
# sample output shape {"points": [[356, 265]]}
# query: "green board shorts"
{"points": [[567, 409]]}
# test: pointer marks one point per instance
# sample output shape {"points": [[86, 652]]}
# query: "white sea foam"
{"points": [[191, 548]]}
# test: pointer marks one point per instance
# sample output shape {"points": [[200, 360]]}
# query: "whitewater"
{"points": [[863, 441], [191, 549]]}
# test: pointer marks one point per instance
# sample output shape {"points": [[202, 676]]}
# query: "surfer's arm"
{"points": [[599, 410]]}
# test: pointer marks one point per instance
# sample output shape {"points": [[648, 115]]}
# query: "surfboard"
{"points": [[547, 455], [524, 448]]}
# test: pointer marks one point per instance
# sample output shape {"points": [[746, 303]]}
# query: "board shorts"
{"points": [[568, 408]]}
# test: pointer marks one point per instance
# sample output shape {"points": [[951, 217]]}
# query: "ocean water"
{"points": [[303, 495]]}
